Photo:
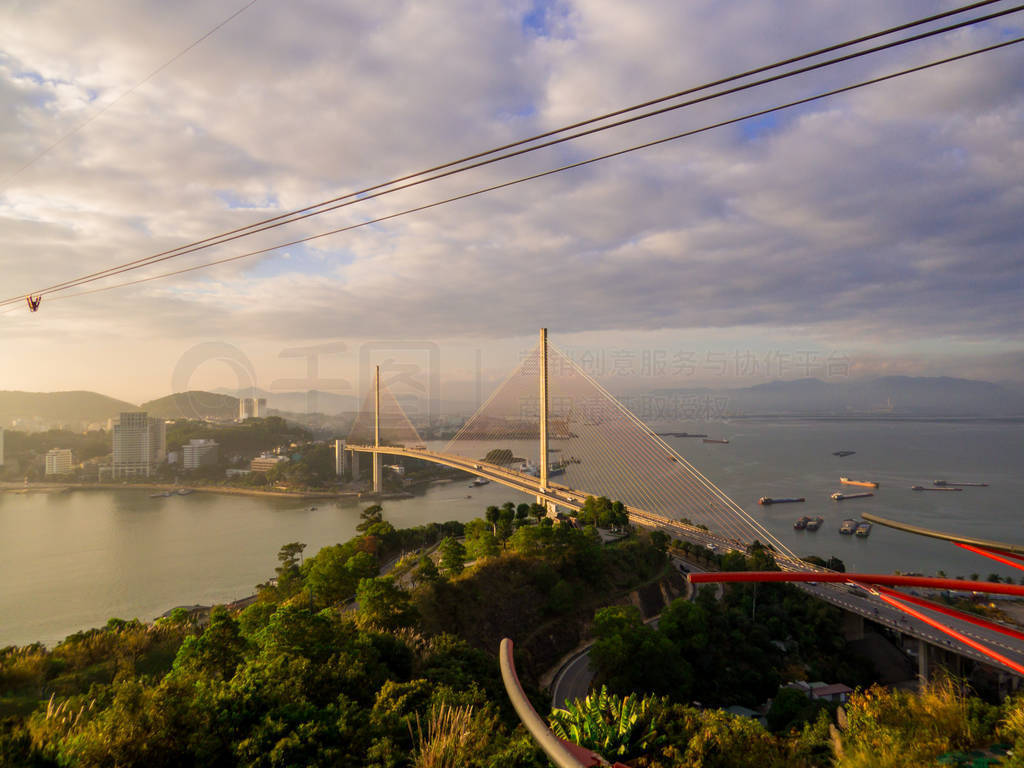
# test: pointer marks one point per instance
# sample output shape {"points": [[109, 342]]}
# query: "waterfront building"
{"points": [[252, 408], [140, 443], [58, 461], [1, 446], [266, 462], [199, 453]]}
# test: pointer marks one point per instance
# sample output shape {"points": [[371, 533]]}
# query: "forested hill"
{"points": [[193, 405], [60, 406]]}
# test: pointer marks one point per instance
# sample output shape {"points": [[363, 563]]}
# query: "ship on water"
{"points": [[864, 483], [841, 454], [714, 440], [946, 483], [841, 496], [927, 488], [768, 500], [848, 527], [814, 523], [862, 530], [477, 482], [801, 523]]}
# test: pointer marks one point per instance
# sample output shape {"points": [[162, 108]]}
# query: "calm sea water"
{"points": [[71, 561]]}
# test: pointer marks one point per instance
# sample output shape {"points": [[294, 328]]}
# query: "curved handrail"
{"points": [[560, 753], [984, 543]]}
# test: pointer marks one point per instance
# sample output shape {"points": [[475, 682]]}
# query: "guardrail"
{"points": [[561, 753]]}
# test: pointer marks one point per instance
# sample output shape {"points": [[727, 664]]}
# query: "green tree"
{"points": [[539, 511], [453, 557], [370, 516], [427, 570], [659, 540], [215, 653], [381, 603]]}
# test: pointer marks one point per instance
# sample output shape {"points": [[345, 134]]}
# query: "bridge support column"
{"points": [[377, 474], [922, 662], [354, 464], [853, 626]]}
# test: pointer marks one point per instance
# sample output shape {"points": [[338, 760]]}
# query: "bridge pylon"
{"points": [[377, 469]]}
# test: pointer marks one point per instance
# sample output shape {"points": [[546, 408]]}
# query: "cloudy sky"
{"points": [[878, 231]]}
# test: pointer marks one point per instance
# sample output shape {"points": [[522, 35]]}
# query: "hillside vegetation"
{"points": [[335, 664]]}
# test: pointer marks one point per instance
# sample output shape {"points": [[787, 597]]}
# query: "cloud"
{"points": [[885, 215]]}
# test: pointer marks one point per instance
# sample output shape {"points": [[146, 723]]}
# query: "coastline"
{"points": [[15, 487]]}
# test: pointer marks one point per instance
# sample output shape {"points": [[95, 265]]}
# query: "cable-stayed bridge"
{"points": [[552, 432]]}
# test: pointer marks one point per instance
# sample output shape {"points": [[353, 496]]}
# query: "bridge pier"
{"points": [[377, 474], [853, 626], [922, 662], [354, 464]]}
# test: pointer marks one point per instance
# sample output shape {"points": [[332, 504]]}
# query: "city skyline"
{"points": [[878, 226]]}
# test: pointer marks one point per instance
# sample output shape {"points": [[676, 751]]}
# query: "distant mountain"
{"points": [[194, 404], [894, 395], [329, 403], [53, 408]]}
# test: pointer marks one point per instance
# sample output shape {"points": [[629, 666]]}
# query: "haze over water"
{"points": [[73, 560]]}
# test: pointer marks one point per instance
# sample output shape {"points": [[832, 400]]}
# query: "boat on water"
{"points": [[185, 491], [801, 523], [814, 523], [681, 434], [840, 454], [848, 527], [715, 440], [862, 530], [927, 488], [865, 483], [946, 483], [841, 496], [477, 482], [767, 500], [161, 495], [554, 468]]}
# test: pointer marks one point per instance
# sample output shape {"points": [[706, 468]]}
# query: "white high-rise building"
{"points": [[139, 444], [199, 453], [58, 461], [252, 408]]}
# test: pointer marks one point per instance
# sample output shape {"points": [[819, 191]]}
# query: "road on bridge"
{"points": [[869, 607]]}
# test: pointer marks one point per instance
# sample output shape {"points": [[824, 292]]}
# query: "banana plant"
{"points": [[609, 725]]}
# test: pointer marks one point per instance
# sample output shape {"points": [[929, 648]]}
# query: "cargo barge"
{"points": [[864, 483], [946, 483], [841, 496], [814, 523], [848, 527], [926, 488], [713, 440], [863, 530], [767, 500]]}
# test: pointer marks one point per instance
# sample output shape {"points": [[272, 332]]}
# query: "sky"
{"points": [[871, 233]]}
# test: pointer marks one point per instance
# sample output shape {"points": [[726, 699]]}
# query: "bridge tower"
{"points": [[543, 351], [377, 485]]}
